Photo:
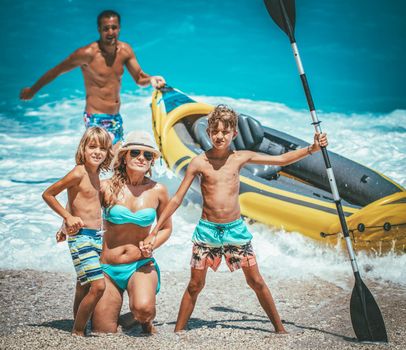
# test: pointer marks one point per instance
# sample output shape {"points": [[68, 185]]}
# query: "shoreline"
{"points": [[36, 314]]}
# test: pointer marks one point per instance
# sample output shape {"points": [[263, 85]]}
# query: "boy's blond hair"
{"points": [[224, 114], [104, 139]]}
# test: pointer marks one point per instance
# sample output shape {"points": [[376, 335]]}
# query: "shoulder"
{"points": [[78, 172], [87, 51], [160, 190], [159, 187], [244, 155], [196, 163], [125, 48]]}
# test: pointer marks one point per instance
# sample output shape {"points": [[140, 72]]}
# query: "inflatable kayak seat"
{"points": [[250, 137]]}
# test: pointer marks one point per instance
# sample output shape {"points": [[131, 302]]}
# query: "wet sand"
{"points": [[36, 314]]}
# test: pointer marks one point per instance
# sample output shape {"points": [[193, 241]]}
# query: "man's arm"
{"points": [[139, 76], [79, 57], [288, 157]]}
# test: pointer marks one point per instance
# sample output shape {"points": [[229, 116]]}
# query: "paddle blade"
{"points": [[366, 317], [284, 14]]}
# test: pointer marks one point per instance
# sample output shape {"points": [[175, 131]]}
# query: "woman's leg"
{"points": [[107, 311], [141, 292]]}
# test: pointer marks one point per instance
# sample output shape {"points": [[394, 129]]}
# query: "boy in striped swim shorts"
{"points": [[221, 231], [83, 220]]}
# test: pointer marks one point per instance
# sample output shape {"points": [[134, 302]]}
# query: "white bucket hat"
{"points": [[141, 140]]}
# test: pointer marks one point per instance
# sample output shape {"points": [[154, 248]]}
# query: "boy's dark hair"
{"points": [[224, 114], [107, 14]]}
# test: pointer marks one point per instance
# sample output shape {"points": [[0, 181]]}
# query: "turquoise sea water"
{"points": [[219, 52]]}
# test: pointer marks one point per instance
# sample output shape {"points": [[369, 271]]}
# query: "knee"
{"points": [[97, 288], [143, 312], [256, 283], [195, 287]]}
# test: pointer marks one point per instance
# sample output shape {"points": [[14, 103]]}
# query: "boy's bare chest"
{"points": [[227, 173], [89, 188]]}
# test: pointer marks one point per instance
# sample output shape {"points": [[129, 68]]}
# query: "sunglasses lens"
{"points": [[135, 153], [148, 155]]}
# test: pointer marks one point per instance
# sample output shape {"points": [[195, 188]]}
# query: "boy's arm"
{"points": [[166, 228], [177, 199], [71, 179], [77, 58], [320, 140]]}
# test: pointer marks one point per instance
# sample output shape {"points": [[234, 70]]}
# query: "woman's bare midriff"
{"points": [[121, 243]]}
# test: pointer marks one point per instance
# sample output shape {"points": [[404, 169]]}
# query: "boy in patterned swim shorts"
{"points": [[221, 231]]}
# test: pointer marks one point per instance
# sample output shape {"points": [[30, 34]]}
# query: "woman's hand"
{"points": [[147, 246]]}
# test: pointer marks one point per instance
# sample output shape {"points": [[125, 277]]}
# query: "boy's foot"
{"points": [[148, 328], [281, 331], [78, 333]]}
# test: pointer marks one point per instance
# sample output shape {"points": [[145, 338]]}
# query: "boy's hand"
{"points": [[146, 249], [73, 224], [320, 140], [60, 236], [147, 246]]}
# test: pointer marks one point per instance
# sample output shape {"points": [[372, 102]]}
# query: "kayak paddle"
{"points": [[366, 318]]}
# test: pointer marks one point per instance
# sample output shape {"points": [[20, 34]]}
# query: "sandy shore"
{"points": [[36, 314]]}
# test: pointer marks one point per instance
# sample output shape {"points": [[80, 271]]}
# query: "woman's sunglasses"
{"points": [[134, 153]]}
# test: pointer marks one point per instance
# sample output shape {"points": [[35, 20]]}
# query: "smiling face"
{"points": [[138, 160], [109, 30], [95, 153], [221, 136]]}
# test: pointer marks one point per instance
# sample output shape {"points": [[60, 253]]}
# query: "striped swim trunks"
{"points": [[85, 248]]}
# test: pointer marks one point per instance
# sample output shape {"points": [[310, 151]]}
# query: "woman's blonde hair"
{"points": [[118, 180], [104, 139]]}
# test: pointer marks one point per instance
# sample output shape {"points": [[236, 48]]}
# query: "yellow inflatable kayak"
{"points": [[295, 197]]}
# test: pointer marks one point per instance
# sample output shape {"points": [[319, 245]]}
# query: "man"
{"points": [[102, 63]]}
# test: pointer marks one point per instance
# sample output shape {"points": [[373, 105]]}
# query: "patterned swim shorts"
{"points": [[113, 123], [85, 248], [236, 256]]}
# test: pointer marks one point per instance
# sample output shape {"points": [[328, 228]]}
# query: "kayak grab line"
{"points": [[387, 226]]}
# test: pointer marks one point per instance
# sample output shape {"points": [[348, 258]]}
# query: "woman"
{"points": [[132, 201]]}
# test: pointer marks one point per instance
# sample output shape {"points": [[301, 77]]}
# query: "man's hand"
{"points": [[73, 224], [27, 94], [157, 82]]}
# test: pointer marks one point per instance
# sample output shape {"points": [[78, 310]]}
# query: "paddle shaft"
{"points": [[329, 169]]}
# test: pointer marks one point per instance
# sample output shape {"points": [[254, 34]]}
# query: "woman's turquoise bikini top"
{"points": [[119, 214]]}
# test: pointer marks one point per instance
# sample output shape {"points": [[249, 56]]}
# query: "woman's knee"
{"points": [[143, 311]]}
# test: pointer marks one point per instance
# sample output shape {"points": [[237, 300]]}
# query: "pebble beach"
{"points": [[36, 314]]}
